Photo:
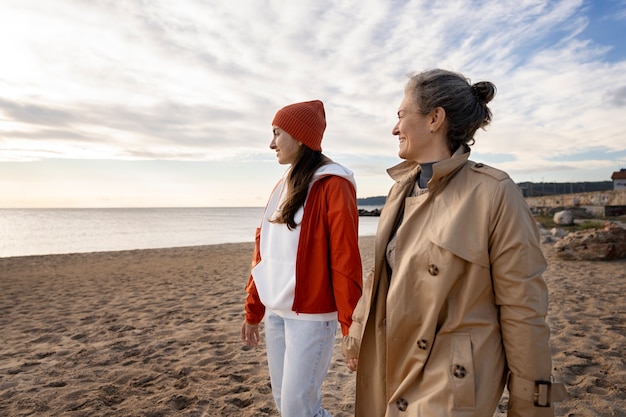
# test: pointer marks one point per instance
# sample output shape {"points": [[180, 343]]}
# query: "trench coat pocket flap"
{"points": [[466, 249]]}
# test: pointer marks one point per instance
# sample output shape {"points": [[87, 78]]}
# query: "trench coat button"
{"points": [[479, 165], [422, 344], [459, 371], [433, 269], [402, 404]]}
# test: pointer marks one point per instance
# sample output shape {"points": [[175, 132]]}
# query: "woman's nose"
{"points": [[395, 131]]}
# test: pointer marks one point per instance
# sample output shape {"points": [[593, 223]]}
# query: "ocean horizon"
{"points": [[49, 231]]}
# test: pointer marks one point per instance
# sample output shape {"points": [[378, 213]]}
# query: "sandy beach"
{"points": [[156, 333]]}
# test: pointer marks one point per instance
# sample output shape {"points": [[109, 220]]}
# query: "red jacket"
{"points": [[328, 264]]}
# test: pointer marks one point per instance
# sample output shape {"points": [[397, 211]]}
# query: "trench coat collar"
{"points": [[407, 171]]}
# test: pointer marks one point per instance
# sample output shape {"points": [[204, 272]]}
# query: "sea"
{"points": [[25, 232]]}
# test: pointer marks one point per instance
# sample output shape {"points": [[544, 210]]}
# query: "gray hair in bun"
{"points": [[465, 104]]}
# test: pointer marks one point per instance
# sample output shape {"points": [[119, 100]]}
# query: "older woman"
{"points": [[456, 306]]}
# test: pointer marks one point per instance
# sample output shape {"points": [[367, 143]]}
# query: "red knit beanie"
{"points": [[305, 122]]}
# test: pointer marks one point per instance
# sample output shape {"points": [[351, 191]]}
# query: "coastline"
{"points": [[156, 332], [28, 232]]}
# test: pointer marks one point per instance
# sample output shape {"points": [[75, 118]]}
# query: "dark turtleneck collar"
{"points": [[426, 173]]}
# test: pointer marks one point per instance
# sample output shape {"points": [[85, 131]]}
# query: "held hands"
{"points": [[351, 363], [250, 334], [350, 352]]}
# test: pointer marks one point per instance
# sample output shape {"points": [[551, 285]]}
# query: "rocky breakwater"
{"points": [[369, 213]]}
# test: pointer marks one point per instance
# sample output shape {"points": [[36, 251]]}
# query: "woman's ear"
{"points": [[437, 118]]}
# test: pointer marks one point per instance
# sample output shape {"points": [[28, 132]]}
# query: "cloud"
{"points": [[616, 97], [201, 80], [33, 114]]}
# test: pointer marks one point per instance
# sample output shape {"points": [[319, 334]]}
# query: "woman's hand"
{"points": [[250, 334], [351, 363], [350, 352]]}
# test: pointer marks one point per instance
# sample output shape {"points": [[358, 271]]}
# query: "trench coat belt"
{"points": [[541, 393]]}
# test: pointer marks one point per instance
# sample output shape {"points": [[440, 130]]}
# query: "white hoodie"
{"points": [[275, 275]]}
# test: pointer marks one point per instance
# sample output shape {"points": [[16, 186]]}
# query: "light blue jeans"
{"points": [[298, 355]]}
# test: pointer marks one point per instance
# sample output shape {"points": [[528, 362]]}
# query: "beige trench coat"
{"points": [[466, 302]]}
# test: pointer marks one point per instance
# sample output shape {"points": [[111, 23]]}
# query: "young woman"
{"points": [[306, 274], [457, 304]]}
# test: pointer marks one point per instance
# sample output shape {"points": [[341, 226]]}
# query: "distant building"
{"points": [[619, 179]]}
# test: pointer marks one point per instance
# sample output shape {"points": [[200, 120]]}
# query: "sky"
{"points": [[138, 103]]}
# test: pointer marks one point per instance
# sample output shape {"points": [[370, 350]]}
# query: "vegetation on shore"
{"points": [[547, 222]]}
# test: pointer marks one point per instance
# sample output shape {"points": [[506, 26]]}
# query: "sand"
{"points": [[156, 333]]}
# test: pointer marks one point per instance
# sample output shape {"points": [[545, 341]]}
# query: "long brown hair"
{"points": [[298, 181]]}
